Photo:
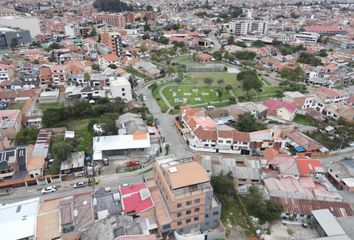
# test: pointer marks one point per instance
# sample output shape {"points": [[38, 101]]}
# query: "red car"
{"points": [[132, 164]]}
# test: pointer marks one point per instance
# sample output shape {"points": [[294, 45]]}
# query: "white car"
{"points": [[48, 189], [79, 184]]}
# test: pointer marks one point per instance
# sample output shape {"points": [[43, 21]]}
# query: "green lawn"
{"points": [[83, 136], [195, 94], [305, 120], [197, 78], [44, 106], [16, 106]]}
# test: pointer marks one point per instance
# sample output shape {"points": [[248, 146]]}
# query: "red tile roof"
{"points": [[323, 28], [307, 166], [134, 199], [328, 92], [274, 104]]}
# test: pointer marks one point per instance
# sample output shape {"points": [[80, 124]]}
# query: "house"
{"points": [[338, 110], [278, 109], [45, 76], [204, 57], [17, 96], [10, 123], [331, 95], [304, 144], [108, 59], [136, 200], [22, 213], [183, 197], [108, 203], [6, 72], [120, 88], [203, 134], [147, 68], [48, 220], [75, 164], [13, 162], [49, 96], [341, 175], [59, 75], [302, 101], [309, 167]]}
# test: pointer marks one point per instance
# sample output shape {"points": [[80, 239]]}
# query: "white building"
{"points": [[120, 87], [307, 37], [27, 23], [18, 220], [71, 30], [244, 27]]}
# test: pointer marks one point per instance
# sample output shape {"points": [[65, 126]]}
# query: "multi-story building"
{"points": [[202, 133], [120, 87], [244, 27], [112, 19], [183, 197], [307, 37], [6, 72], [13, 37], [59, 75], [113, 41]]}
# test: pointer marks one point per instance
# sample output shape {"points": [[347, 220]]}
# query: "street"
{"points": [[66, 188], [178, 146]]}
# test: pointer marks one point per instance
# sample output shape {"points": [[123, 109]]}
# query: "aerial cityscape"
{"points": [[185, 120]]}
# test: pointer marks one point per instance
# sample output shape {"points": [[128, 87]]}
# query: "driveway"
{"points": [[178, 146]]}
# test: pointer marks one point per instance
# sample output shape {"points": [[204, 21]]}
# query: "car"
{"points": [[79, 184], [49, 189], [132, 164]]}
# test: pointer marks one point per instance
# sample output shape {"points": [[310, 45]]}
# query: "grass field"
{"points": [[218, 78], [83, 136], [305, 120]]}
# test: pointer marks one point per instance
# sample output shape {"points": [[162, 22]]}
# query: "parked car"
{"points": [[132, 163], [80, 185], [48, 189]]}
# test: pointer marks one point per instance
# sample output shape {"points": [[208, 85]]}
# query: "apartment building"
{"points": [[112, 19], [113, 41], [59, 75], [244, 27], [307, 37], [120, 88], [184, 197], [6, 72]]}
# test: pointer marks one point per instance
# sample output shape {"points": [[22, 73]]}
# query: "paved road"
{"points": [[178, 146], [66, 188]]}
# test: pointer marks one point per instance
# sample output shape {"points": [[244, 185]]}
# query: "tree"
{"points": [[221, 81], [112, 65], [235, 11], [249, 80], [245, 55], [143, 48], [95, 67], [14, 43], [295, 75], [145, 36], [170, 70], [26, 136], [111, 6], [224, 187], [87, 77], [241, 44], [61, 150], [258, 44], [208, 81], [323, 53], [246, 123], [217, 55], [231, 40], [93, 32], [309, 59], [35, 61], [52, 57], [108, 123], [261, 208]]}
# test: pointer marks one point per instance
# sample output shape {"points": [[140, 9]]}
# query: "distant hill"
{"points": [[114, 6]]}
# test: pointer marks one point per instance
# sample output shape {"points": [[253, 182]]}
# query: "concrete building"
{"points": [[183, 197], [10, 36], [113, 41], [307, 37], [6, 72], [327, 225], [30, 24], [244, 27], [18, 220], [10, 123], [112, 19], [120, 87]]}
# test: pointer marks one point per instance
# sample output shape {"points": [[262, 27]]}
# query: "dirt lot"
{"points": [[284, 232]]}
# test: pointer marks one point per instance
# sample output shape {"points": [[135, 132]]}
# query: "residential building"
{"points": [[114, 20], [74, 165], [302, 101], [10, 123], [105, 60], [184, 197], [327, 30], [147, 68], [6, 72], [120, 88], [59, 73], [304, 144], [307, 37], [113, 41], [244, 27], [278, 109]]}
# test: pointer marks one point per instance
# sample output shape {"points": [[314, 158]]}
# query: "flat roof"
{"points": [[18, 220], [328, 222], [348, 181], [121, 142], [48, 220], [186, 174]]}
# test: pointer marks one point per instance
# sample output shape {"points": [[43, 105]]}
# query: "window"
{"points": [[215, 213], [206, 215], [179, 214], [188, 220], [228, 141], [196, 209], [197, 200], [179, 205], [179, 223], [207, 223], [189, 203], [123, 94], [123, 89], [165, 227], [196, 219]]}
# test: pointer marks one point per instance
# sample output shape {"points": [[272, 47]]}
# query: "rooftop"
{"points": [[136, 198], [328, 222]]}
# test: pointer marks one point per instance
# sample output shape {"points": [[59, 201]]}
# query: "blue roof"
{"points": [[299, 149]]}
